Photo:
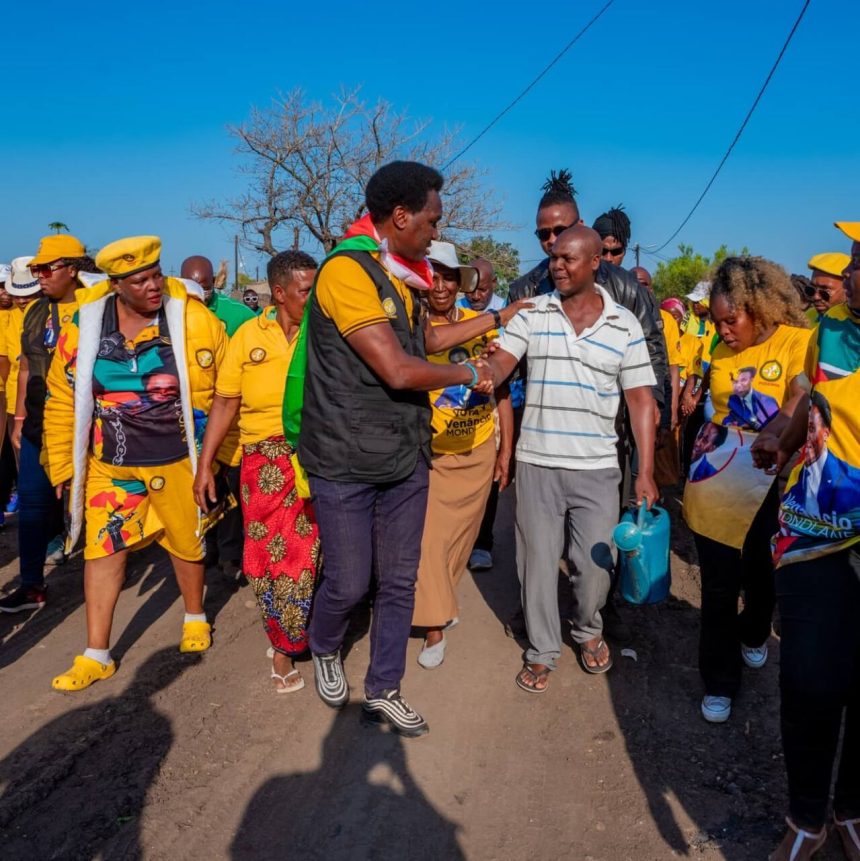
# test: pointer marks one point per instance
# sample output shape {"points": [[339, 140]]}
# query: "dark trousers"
{"points": [[40, 516], [725, 572], [8, 472], [369, 532], [484, 541], [819, 678], [228, 534]]}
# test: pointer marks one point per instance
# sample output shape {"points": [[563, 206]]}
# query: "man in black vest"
{"points": [[365, 438]]}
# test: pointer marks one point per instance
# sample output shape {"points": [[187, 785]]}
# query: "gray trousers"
{"points": [[581, 504]]}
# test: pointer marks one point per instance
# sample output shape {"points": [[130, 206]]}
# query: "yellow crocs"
{"points": [[83, 673], [196, 637]]}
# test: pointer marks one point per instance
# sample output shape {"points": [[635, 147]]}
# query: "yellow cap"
{"points": [[126, 256], [832, 263], [850, 228], [58, 245]]}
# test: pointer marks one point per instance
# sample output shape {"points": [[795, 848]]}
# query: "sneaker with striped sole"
{"points": [[390, 707]]}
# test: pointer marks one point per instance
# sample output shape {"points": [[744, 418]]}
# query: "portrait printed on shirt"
{"points": [[821, 507], [461, 397], [747, 406]]}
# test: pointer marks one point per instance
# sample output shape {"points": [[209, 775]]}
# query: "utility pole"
{"points": [[636, 250], [236, 264]]}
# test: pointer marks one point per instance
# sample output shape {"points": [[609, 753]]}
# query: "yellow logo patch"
{"points": [[257, 355], [205, 358], [771, 371], [157, 482], [389, 307]]}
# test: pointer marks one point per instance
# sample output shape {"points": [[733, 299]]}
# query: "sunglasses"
{"points": [[544, 233], [46, 270], [612, 252], [812, 291]]}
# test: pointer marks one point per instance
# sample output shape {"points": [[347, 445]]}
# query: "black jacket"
{"points": [[623, 287]]}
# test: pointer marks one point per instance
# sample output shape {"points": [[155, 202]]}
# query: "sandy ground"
{"points": [[196, 756]]}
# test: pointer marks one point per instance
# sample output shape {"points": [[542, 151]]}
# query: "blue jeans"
{"points": [[40, 516], [369, 531]]}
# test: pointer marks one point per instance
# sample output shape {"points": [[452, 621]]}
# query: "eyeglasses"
{"points": [[612, 252], [46, 270], [544, 233], [812, 291]]}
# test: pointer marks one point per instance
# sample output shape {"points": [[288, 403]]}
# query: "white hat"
{"points": [[5, 269], [445, 254], [700, 292], [22, 282]]}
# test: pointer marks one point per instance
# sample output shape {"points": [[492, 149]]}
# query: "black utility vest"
{"points": [[355, 428]]}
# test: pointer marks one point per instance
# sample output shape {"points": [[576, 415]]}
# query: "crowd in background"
{"points": [[353, 437]]}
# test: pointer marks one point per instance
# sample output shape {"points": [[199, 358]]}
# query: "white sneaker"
{"points": [[480, 560], [755, 657], [55, 554], [431, 657], [716, 709]]}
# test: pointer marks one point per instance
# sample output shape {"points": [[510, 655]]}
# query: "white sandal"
{"points": [[801, 838], [287, 687], [848, 832]]}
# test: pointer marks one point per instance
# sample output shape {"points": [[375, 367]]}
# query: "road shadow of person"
{"points": [[77, 786], [361, 803], [708, 787]]}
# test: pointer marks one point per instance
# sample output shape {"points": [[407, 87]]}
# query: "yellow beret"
{"points": [[850, 228], [58, 245], [832, 263], [126, 256]]}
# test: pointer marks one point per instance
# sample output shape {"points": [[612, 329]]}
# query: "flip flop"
{"points": [[537, 676], [595, 654], [850, 835], [287, 687]]}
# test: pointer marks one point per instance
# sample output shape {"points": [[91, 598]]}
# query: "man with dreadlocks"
{"points": [[613, 228]]}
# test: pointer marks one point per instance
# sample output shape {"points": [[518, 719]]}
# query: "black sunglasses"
{"points": [[613, 252], [544, 233], [812, 291]]}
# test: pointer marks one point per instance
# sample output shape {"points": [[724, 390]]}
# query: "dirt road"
{"points": [[196, 756]]}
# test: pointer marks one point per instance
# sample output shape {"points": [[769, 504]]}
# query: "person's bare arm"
{"points": [[675, 380], [502, 365], [438, 338], [771, 451], [220, 420], [380, 350], [640, 405], [20, 409], [505, 411]]}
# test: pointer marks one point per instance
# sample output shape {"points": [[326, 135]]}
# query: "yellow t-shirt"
{"points": [[672, 336], [462, 419], [350, 299], [13, 326], [255, 369], [749, 388], [690, 353]]}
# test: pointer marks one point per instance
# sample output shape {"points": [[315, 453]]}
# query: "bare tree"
{"points": [[307, 166]]}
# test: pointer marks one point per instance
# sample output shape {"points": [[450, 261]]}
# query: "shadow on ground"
{"points": [[361, 803]]}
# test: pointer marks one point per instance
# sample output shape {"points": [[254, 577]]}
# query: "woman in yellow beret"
{"points": [[129, 390]]}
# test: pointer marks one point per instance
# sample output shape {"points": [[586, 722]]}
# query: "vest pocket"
{"points": [[376, 442]]}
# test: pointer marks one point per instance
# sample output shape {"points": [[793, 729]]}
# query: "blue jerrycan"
{"points": [[643, 543]]}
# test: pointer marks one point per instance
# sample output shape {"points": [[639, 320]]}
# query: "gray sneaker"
{"points": [[390, 707], [330, 680]]}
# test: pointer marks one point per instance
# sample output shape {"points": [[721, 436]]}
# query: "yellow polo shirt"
{"points": [[672, 336], [255, 370], [350, 299]]}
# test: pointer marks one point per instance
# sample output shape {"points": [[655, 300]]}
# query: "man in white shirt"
{"points": [[582, 350]]}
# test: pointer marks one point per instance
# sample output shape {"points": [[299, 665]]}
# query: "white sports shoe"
{"points": [[716, 709], [755, 657]]}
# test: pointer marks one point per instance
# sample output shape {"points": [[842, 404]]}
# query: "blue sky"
{"points": [[116, 114]]}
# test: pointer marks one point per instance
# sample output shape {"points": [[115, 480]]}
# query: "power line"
{"points": [[741, 129], [555, 59]]}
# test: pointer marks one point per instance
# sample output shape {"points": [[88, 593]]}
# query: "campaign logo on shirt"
{"points": [[389, 307], [257, 355], [771, 370], [205, 358]]}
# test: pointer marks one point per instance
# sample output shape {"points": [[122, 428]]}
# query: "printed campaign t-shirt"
{"points": [[820, 512], [462, 419], [138, 409], [255, 368], [724, 489]]}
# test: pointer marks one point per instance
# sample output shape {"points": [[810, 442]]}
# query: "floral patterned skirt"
{"points": [[282, 543]]}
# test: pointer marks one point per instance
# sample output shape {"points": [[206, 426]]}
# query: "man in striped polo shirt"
{"points": [[583, 351]]}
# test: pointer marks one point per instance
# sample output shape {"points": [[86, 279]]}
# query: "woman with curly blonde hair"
{"points": [[281, 548], [730, 506]]}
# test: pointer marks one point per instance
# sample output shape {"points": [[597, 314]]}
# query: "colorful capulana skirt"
{"points": [[282, 543]]}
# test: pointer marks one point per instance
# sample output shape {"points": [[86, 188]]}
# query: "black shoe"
{"points": [[390, 707], [24, 599], [329, 679], [614, 626]]}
